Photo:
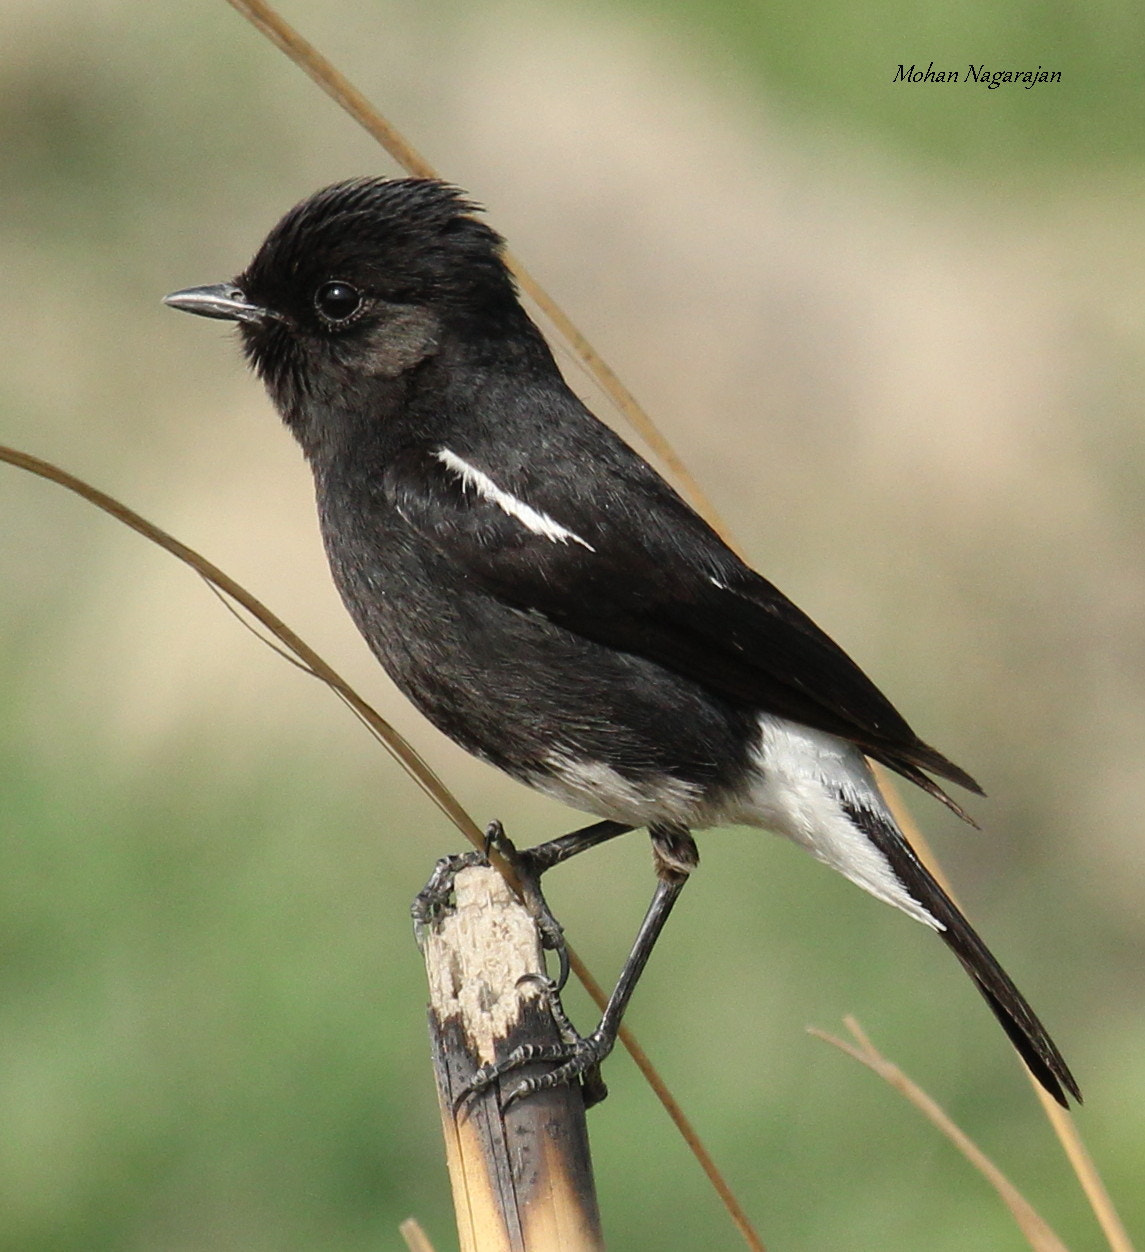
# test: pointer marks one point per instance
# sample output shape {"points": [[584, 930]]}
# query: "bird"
{"points": [[547, 600]]}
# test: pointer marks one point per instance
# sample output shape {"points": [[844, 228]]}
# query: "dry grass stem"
{"points": [[297, 649], [1082, 1164], [1041, 1238], [1064, 1127], [415, 1238], [677, 1115]]}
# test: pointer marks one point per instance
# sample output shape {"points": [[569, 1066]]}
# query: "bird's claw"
{"points": [[579, 1059], [437, 894]]}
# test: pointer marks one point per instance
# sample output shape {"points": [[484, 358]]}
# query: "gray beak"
{"points": [[222, 300]]}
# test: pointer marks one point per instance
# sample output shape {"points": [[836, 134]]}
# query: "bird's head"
{"points": [[363, 280]]}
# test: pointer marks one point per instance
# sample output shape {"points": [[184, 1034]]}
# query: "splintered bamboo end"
{"points": [[522, 1177]]}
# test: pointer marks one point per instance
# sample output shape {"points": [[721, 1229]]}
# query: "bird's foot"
{"points": [[579, 1061], [438, 894]]}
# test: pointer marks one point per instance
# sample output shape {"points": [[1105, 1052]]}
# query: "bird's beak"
{"points": [[223, 300]]}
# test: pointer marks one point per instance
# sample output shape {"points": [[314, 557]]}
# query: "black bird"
{"points": [[544, 597]]}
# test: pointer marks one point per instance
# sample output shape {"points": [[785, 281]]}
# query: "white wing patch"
{"points": [[532, 519]]}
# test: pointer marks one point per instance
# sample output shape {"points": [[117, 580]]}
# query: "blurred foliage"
{"points": [[211, 1028], [836, 61]]}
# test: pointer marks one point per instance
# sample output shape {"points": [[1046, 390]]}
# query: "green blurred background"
{"points": [[897, 331]]}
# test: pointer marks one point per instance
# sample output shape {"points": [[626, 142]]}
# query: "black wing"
{"points": [[614, 555]]}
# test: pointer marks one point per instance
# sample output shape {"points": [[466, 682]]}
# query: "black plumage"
{"points": [[538, 591]]}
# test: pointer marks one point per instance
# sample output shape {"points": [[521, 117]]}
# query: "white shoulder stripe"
{"points": [[533, 519]]}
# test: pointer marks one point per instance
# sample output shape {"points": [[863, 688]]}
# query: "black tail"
{"points": [[1007, 1003], [910, 762]]}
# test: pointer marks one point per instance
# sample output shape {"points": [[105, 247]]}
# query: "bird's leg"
{"points": [[530, 863], [556, 851], [675, 854]]}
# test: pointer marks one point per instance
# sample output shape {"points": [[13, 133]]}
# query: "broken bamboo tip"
{"points": [[522, 1177]]}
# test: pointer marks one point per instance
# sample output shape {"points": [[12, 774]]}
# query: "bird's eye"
{"points": [[337, 302]]}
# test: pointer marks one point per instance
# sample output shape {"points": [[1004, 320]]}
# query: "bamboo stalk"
{"points": [[522, 1177]]}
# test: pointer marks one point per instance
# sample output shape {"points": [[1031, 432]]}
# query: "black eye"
{"points": [[337, 302]]}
